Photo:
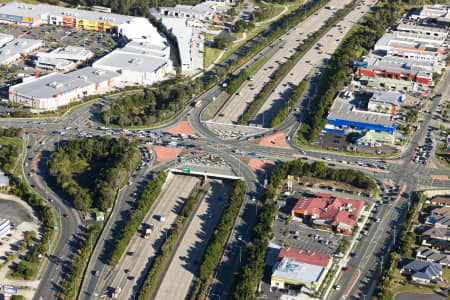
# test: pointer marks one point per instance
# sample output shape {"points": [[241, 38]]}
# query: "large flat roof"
{"points": [[69, 52], [56, 83], [119, 60], [290, 270], [183, 33], [390, 97], [421, 28], [343, 109]]}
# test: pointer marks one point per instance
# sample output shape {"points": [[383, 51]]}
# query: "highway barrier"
{"points": [[218, 241], [292, 99], [145, 202], [159, 265], [283, 70]]}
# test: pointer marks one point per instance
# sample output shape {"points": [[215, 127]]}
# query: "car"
{"points": [[337, 287], [51, 199], [200, 149], [96, 273], [346, 269], [66, 216], [353, 254], [240, 237]]}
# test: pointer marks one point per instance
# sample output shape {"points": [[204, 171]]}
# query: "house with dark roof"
{"points": [[422, 272], [441, 201], [438, 233], [438, 221], [429, 255], [435, 244], [443, 211]]}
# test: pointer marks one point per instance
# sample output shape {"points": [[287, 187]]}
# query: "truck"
{"points": [[148, 231], [116, 293]]}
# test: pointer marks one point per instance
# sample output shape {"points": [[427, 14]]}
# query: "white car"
{"points": [[337, 287]]}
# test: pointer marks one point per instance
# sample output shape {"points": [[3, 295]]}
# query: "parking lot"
{"points": [[100, 43], [295, 234]]}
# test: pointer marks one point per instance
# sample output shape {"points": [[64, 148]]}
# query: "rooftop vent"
{"points": [[56, 85]]}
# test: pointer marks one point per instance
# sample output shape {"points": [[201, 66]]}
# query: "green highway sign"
{"points": [[187, 170]]}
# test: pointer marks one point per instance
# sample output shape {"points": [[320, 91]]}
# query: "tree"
{"points": [[220, 43]]}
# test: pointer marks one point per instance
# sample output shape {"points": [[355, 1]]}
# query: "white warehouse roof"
{"points": [[16, 48], [120, 60], [179, 27], [5, 38], [70, 53]]}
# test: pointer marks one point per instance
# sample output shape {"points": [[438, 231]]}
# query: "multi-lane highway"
{"points": [[238, 102]]}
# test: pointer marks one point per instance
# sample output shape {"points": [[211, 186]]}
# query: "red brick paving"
{"points": [[182, 127], [166, 153], [276, 140]]}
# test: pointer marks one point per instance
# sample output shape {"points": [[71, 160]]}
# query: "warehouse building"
{"points": [[376, 82], [345, 113], [16, 49], [440, 13], [398, 68], [391, 44], [54, 90], [385, 101], [300, 268], [426, 32]]}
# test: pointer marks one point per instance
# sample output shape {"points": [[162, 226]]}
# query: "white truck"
{"points": [[116, 293], [148, 231]]}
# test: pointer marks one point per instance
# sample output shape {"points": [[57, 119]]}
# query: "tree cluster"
{"points": [[357, 44], [218, 240], [167, 248], [220, 43], [150, 106], [236, 82], [134, 219], [242, 25], [11, 132], [292, 99], [80, 260], [89, 171], [251, 270]]}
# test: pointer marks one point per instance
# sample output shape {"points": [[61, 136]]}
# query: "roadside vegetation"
{"points": [[11, 141], [137, 112], [284, 69], [89, 171], [251, 270], [145, 202], [357, 43], [218, 241], [168, 247], [292, 99], [80, 261]]}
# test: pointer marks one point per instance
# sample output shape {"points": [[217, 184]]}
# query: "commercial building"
{"points": [[300, 268], [345, 114], [16, 49], [387, 102], [221, 2], [5, 226], [5, 38], [182, 30], [422, 33], [54, 64], [54, 90], [371, 139], [134, 67], [72, 53], [392, 45], [340, 214], [440, 13]]}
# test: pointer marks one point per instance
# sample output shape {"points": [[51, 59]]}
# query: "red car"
{"points": [[346, 269], [265, 134], [200, 149], [66, 216], [276, 131]]}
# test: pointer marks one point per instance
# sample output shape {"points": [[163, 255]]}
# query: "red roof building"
{"points": [[323, 209], [307, 257]]}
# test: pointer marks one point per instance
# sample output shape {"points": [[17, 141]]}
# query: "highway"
{"points": [[185, 263], [312, 58], [130, 271], [238, 102]]}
